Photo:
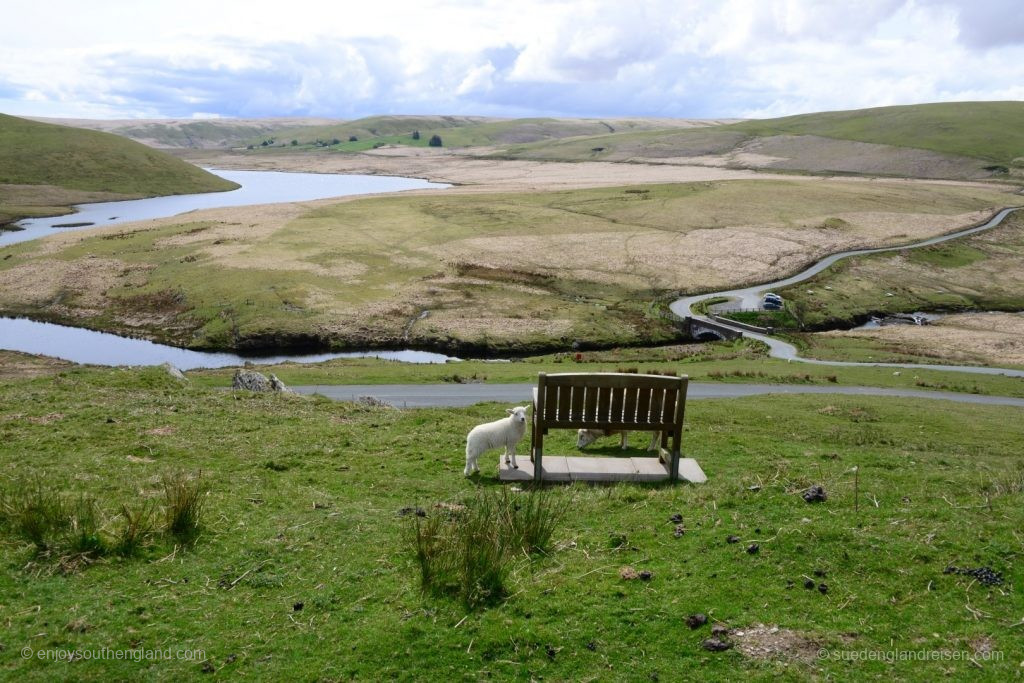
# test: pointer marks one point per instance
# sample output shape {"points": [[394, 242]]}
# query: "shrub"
{"points": [[435, 141], [37, 513], [467, 550], [353, 138], [415, 135], [136, 530], [183, 500]]}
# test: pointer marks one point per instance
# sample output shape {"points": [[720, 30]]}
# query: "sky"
{"points": [[510, 58]]}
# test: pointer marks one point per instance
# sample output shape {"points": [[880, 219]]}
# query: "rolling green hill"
{"points": [[460, 131], [33, 153], [945, 140], [993, 131]]}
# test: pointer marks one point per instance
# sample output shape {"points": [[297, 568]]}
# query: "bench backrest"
{"points": [[610, 401]]}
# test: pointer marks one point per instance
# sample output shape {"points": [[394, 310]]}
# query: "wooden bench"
{"points": [[614, 401]]}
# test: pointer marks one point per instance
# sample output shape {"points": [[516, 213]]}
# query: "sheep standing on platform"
{"points": [[506, 432]]}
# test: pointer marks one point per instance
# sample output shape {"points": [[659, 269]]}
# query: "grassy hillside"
{"points": [[949, 140], [460, 131], [33, 153], [302, 568], [993, 131]]}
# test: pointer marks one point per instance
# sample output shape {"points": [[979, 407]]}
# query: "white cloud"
{"points": [[588, 57]]}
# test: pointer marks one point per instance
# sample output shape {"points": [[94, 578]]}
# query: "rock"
{"points": [[278, 385], [809, 584], [628, 573], [732, 539], [676, 518], [174, 372], [716, 645], [815, 494], [719, 630], [646, 575], [753, 549], [679, 531], [696, 620], [250, 380], [823, 588]]}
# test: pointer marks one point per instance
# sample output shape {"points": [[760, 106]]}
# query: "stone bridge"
{"points": [[705, 330]]}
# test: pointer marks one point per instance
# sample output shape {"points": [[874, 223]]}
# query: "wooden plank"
{"points": [[576, 410], [629, 409], [604, 424], [604, 402], [618, 396], [610, 379], [590, 405], [668, 406], [564, 395], [643, 406]]}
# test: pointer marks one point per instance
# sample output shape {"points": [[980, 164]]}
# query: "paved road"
{"points": [[447, 395], [750, 297]]}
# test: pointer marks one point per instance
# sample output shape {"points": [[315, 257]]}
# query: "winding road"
{"points": [[750, 297]]}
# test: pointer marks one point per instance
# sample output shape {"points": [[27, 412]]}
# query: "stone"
{"points": [[250, 380], [174, 372]]}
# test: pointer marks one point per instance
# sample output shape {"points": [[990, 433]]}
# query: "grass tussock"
{"points": [[467, 550], [60, 525], [183, 505]]}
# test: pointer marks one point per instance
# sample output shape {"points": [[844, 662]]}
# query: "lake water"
{"points": [[101, 348], [258, 187]]}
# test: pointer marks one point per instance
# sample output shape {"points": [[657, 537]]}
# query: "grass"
{"points": [[362, 273], [984, 130], [45, 167], [455, 131], [318, 553]]}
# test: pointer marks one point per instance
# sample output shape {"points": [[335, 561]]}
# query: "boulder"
{"points": [[250, 380]]}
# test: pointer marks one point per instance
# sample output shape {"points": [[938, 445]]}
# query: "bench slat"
{"points": [[590, 404], [643, 406], [629, 409], [564, 395], [604, 402], [577, 403]]}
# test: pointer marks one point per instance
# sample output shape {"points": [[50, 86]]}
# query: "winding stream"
{"points": [[750, 297]]}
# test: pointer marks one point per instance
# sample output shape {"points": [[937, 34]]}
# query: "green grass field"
{"points": [[302, 569]]}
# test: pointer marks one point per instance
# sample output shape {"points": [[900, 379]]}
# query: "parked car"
{"points": [[770, 305]]}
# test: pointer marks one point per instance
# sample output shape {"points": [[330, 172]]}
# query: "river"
{"points": [[257, 187]]}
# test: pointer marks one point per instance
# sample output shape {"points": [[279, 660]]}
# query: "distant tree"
{"points": [[264, 143], [435, 141], [294, 143], [415, 135], [335, 141], [353, 138]]}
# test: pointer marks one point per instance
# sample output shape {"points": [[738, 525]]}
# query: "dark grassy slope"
{"points": [[33, 153]]}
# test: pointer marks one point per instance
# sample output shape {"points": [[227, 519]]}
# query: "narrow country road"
{"points": [[452, 395], [750, 297]]}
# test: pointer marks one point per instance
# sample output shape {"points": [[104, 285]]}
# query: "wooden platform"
{"points": [[560, 468]]}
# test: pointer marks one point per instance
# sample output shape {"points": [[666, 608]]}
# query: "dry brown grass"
{"points": [[990, 338]]}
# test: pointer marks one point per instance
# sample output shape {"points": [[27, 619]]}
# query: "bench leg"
{"points": [[538, 454]]}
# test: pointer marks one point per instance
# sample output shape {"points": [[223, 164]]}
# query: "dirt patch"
{"points": [[166, 430], [991, 338], [771, 642], [17, 365]]}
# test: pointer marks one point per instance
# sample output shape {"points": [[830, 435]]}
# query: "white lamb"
{"points": [[506, 432]]}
